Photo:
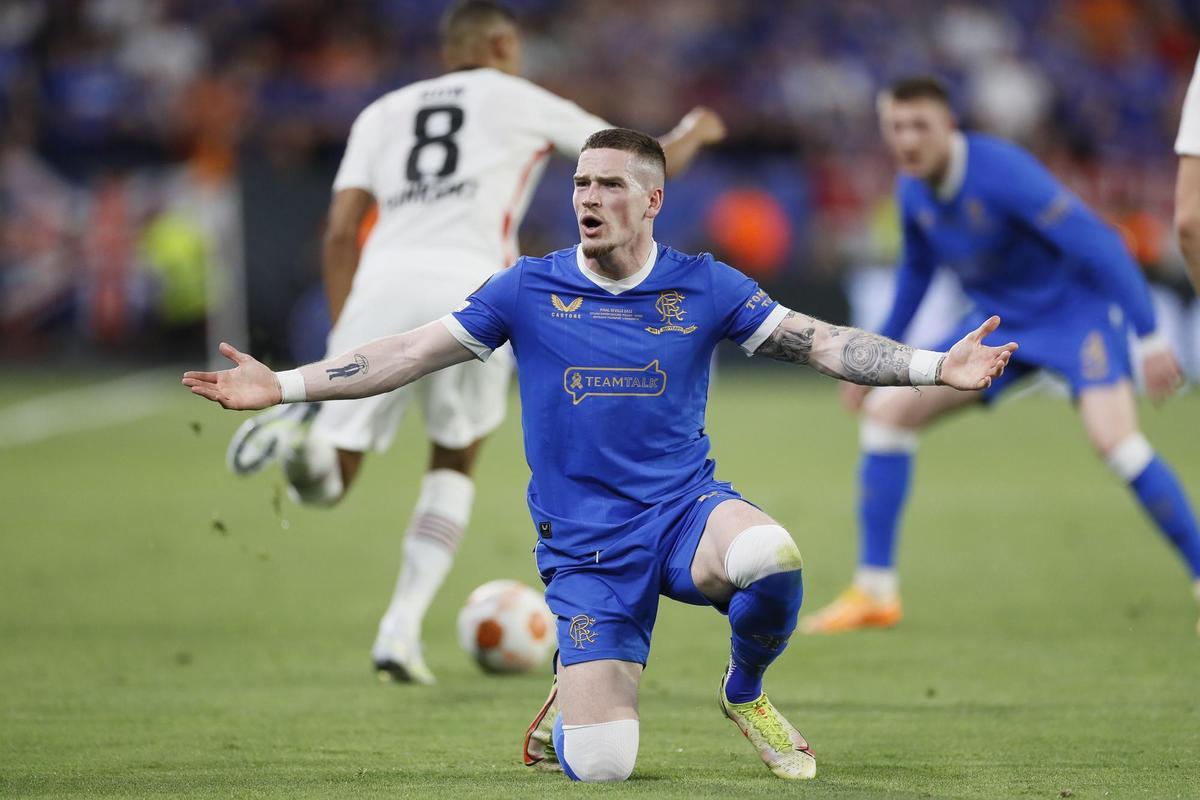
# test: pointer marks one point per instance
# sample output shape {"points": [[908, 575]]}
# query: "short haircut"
{"points": [[919, 87], [642, 146], [466, 18]]}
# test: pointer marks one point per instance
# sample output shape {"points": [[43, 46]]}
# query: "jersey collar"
{"points": [[956, 170], [626, 283]]}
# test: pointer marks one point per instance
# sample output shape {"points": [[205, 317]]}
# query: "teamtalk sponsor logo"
{"points": [[581, 632], [565, 310], [426, 193], [670, 306], [584, 382]]}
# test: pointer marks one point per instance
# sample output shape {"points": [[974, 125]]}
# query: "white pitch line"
{"points": [[96, 405]]}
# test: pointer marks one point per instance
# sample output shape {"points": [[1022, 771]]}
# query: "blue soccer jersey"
{"points": [[614, 379], [1022, 245]]}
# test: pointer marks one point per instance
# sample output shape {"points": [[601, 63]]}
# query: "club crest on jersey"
{"points": [[670, 305], [565, 310], [584, 382], [581, 632], [976, 215]]}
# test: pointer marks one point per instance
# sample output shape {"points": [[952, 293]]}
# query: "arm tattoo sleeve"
{"points": [[864, 358], [785, 344], [876, 361]]}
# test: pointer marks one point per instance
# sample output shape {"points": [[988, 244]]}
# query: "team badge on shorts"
{"points": [[1093, 357], [581, 632]]}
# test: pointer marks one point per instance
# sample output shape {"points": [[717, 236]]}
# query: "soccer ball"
{"points": [[506, 627]]}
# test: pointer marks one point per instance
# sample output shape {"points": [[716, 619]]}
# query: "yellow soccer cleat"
{"points": [[781, 747], [852, 610], [537, 750]]}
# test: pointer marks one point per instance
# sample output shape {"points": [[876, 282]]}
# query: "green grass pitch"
{"points": [[167, 630]]}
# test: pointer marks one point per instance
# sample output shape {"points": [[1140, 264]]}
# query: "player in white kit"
{"points": [[450, 163]]}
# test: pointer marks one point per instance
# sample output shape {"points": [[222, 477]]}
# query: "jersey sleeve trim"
{"points": [[464, 337], [768, 326]]}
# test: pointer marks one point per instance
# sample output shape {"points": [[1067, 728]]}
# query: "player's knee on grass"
{"points": [[599, 753]]}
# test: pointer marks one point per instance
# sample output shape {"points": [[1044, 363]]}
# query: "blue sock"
{"points": [[882, 487], [1161, 495], [557, 738], [762, 617]]}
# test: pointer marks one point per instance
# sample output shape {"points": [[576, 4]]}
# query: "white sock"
{"points": [[312, 471], [602, 752], [880, 583], [434, 533]]}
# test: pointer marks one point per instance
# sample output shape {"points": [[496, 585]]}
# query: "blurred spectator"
{"points": [[101, 97]]}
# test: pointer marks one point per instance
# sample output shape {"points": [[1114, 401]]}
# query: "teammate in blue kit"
{"points": [[1029, 250], [613, 339]]}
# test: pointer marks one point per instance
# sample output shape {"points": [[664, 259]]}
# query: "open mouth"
{"points": [[590, 223]]}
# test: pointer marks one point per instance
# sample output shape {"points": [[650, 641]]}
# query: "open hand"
{"points": [[971, 364], [248, 386], [707, 123]]}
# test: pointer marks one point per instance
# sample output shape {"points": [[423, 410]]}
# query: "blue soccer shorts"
{"points": [[1088, 346], [606, 602]]}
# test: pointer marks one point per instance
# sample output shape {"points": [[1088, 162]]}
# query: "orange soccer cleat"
{"points": [[852, 610]]}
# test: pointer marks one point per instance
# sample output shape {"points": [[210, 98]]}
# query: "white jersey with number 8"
{"points": [[451, 162]]}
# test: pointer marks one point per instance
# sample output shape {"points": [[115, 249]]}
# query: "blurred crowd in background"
{"points": [[141, 138]]}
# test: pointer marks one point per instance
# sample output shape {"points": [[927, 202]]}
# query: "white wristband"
{"points": [[1153, 343], [924, 368], [291, 386]]}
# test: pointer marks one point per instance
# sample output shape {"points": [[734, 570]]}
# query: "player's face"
{"points": [[612, 200], [918, 132]]}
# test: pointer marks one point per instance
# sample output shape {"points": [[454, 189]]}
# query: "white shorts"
{"points": [[460, 404]]}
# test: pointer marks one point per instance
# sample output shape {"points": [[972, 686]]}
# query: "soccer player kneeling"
{"points": [[614, 338]]}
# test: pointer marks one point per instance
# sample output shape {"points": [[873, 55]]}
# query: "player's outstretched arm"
{"points": [[699, 127], [872, 360], [374, 368]]}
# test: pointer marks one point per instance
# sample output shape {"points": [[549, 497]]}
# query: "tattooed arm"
{"points": [[866, 358], [373, 368]]}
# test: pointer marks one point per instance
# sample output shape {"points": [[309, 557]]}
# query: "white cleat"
{"points": [[262, 439], [781, 747], [399, 661]]}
